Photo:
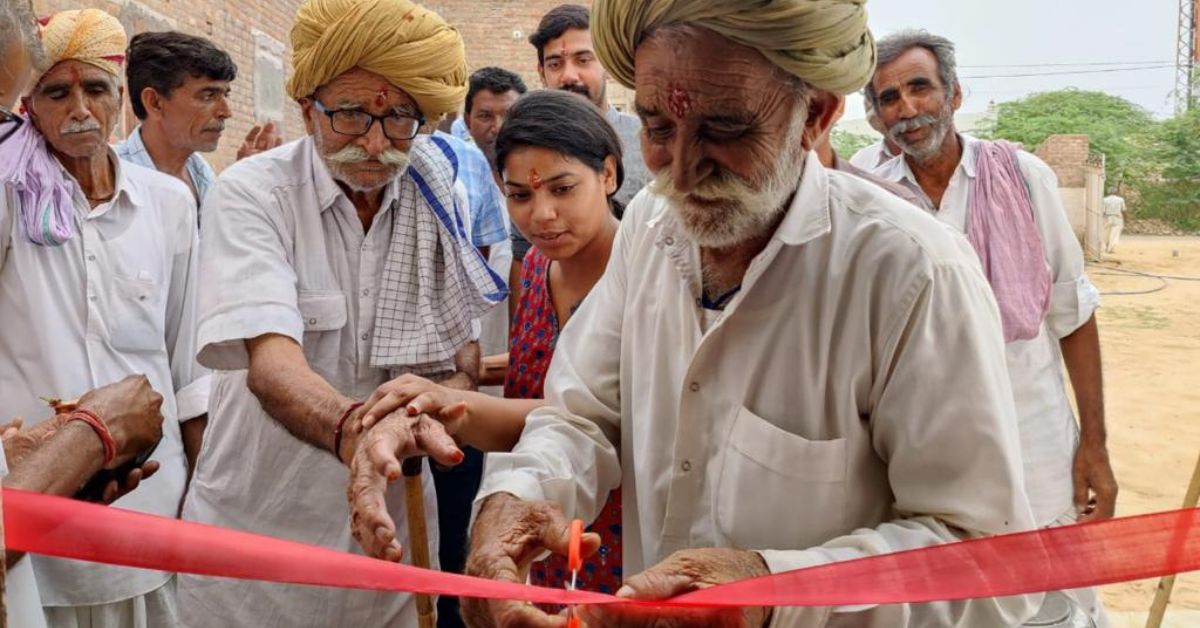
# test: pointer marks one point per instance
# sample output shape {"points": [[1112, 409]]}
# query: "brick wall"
{"points": [[255, 33], [1066, 154]]}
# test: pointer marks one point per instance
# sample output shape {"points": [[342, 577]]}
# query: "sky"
{"points": [[993, 37]]}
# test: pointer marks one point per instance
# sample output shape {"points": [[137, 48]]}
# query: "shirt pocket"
{"points": [[138, 313], [324, 314], [779, 490]]}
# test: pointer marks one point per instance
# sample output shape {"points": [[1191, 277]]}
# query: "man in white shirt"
{"points": [[1114, 221], [783, 366], [333, 264], [97, 275], [1067, 472]]}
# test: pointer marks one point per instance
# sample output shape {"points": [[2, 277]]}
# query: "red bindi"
{"points": [[679, 102], [535, 179]]}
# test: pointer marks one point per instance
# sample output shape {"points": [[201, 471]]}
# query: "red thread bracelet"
{"points": [[110, 445], [337, 431]]}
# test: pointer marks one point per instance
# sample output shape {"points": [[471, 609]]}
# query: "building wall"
{"points": [[255, 34], [1066, 154]]}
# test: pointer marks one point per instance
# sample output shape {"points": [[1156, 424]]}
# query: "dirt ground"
{"points": [[1151, 352]]}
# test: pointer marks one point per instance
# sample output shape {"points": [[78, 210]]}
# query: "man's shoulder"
{"points": [[872, 218], [259, 174], [156, 183]]}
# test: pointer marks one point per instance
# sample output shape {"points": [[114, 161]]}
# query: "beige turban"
{"points": [[91, 36], [409, 45], [824, 42]]}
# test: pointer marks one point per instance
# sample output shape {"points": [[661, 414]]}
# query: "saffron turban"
{"points": [[91, 36], [410, 46], [824, 42]]}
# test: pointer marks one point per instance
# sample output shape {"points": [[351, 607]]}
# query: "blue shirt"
{"points": [[488, 224], [459, 129], [134, 151]]}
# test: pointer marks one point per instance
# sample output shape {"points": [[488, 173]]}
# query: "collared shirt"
{"points": [[629, 130], [459, 129], [872, 156], [850, 400], [132, 149], [489, 212], [1049, 433], [114, 300], [284, 252]]}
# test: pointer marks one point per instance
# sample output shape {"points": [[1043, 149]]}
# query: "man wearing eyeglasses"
{"points": [[332, 265]]}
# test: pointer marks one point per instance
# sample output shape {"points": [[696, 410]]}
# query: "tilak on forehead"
{"points": [[535, 179], [679, 102]]}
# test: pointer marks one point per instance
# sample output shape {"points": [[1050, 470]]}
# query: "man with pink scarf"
{"points": [[97, 277], [1007, 203]]}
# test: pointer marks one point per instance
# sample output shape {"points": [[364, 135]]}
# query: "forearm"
{"points": [[193, 437], [1081, 354], [466, 364], [18, 446], [59, 466], [292, 393], [495, 423], [493, 369]]}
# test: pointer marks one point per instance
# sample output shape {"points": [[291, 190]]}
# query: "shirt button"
{"points": [[669, 241], [312, 321], [694, 387], [366, 292], [365, 336], [686, 466], [91, 258]]}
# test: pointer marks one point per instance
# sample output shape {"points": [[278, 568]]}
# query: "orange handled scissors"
{"points": [[575, 563]]}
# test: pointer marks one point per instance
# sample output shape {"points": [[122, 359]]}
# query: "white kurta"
{"points": [[284, 252], [20, 588], [851, 400], [1049, 433], [116, 299]]}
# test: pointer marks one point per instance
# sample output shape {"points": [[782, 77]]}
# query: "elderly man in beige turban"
{"points": [[97, 284], [782, 366], [333, 265]]}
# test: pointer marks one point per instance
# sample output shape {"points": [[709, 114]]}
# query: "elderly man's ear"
{"points": [[823, 110]]}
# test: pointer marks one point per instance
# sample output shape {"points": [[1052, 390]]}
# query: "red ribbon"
{"points": [[1116, 550]]}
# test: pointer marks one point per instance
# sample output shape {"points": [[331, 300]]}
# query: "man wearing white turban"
{"points": [[332, 265], [782, 366]]}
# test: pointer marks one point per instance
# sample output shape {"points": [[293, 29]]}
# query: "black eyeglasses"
{"points": [[396, 126], [9, 122]]}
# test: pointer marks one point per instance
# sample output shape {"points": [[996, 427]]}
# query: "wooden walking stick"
{"points": [[418, 536], [1163, 595]]}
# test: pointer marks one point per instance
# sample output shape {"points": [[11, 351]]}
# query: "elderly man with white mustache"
{"points": [[333, 265], [98, 263], [1007, 203], [782, 366]]}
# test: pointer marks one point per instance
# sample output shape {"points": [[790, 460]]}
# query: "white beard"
{"points": [[740, 211]]}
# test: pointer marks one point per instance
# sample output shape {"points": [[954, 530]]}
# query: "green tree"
{"points": [[1171, 190], [1121, 130], [846, 143]]}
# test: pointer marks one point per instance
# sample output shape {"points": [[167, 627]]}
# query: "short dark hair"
{"points": [[495, 80], [557, 21], [563, 122], [164, 60]]}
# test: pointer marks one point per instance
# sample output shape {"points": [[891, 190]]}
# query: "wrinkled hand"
{"points": [[260, 138], [116, 490], [376, 463], [1095, 484], [684, 571], [416, 395], [509, 534], [131, 410]]}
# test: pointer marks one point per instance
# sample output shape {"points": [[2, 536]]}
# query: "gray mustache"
{"points": [[80, 127], [911, 124]]}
